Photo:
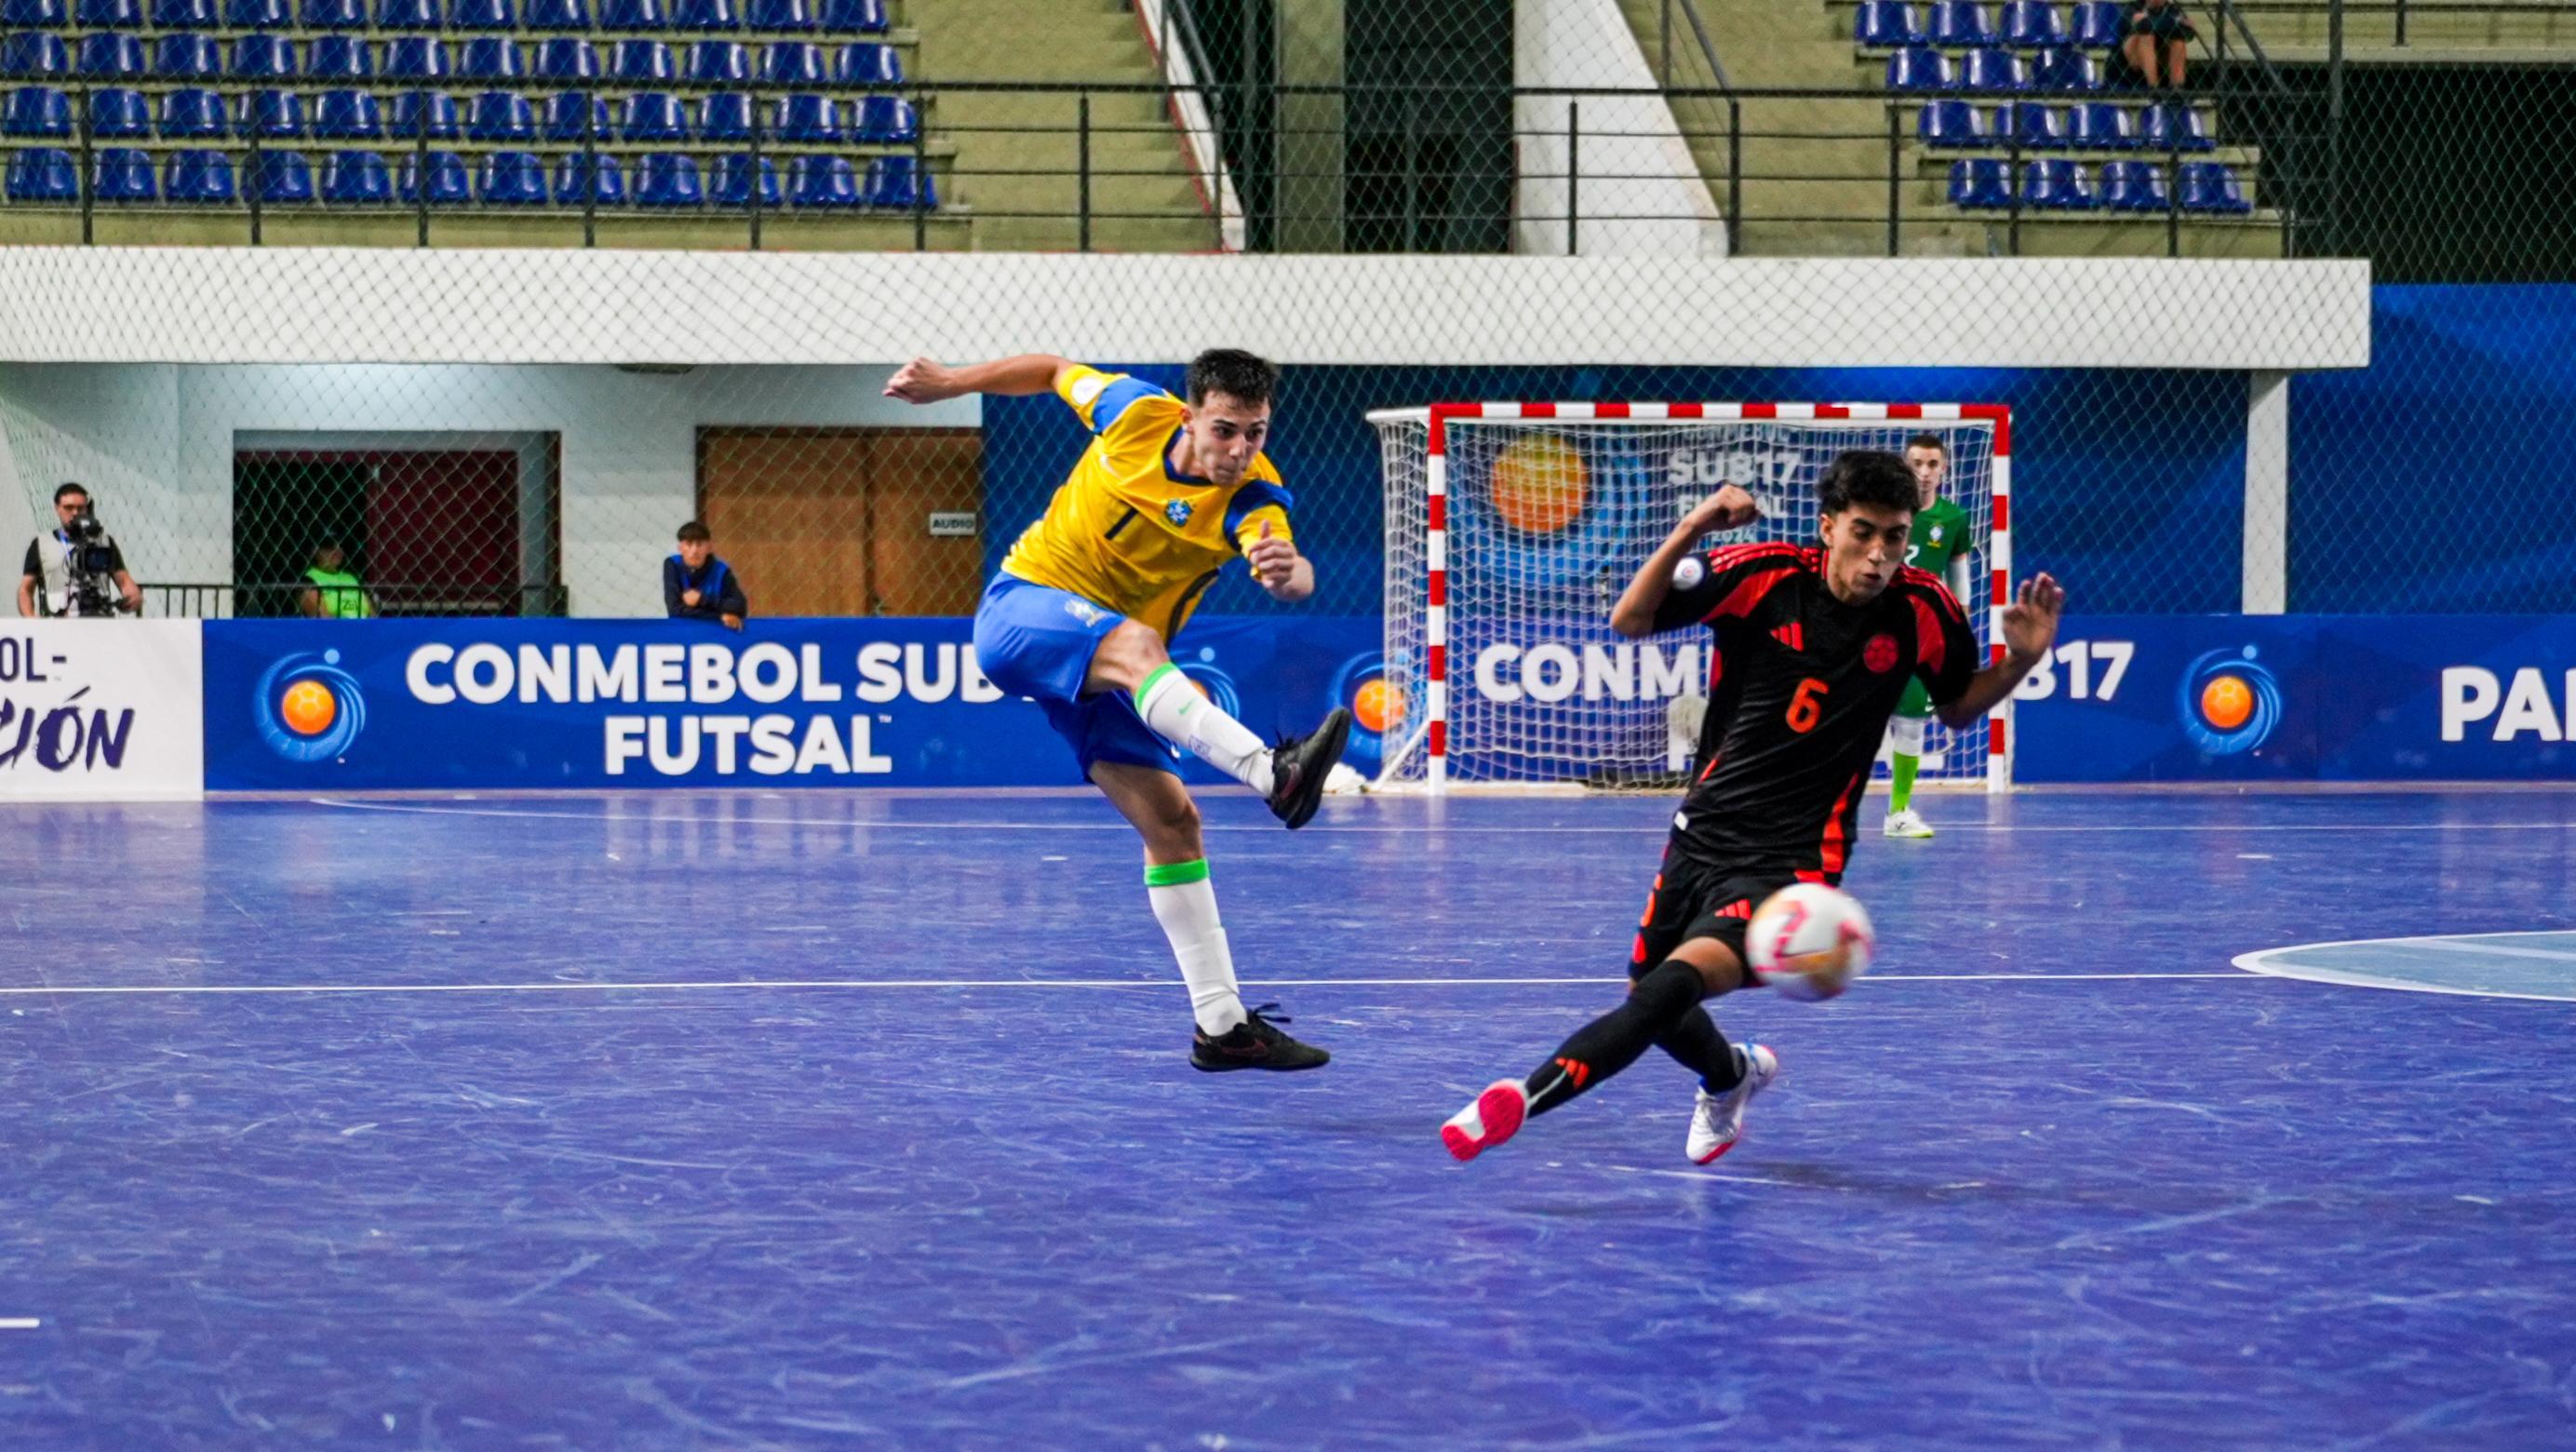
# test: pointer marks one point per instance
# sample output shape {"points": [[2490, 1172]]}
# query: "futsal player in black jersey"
{"points": [[1814, 645]]}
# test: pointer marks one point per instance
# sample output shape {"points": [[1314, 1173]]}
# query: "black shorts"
{"points": [[2167, 25], [1697, 900]]}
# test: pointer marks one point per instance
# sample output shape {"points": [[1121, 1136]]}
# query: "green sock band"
{"points": [[1146, 686], [1901, 767], [1175, 874]]}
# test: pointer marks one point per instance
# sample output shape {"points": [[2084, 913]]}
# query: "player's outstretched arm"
{"points": [[2030, 631], [1728, 508], [927, 380]]}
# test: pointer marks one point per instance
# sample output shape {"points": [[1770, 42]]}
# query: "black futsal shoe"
{"points": [[1255, 1043], [1300, 765]]}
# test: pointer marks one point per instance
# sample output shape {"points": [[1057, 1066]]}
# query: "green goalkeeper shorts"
{"points": [[1918, 701]]}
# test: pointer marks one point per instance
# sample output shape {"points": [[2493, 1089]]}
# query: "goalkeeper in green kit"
{"points": [[1940, 544]]}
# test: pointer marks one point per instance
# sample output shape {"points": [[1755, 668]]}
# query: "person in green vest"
{"points": [[1940, 544], [334, 592]]}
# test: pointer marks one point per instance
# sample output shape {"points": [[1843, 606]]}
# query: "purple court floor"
{"points": [[777, 1120]]}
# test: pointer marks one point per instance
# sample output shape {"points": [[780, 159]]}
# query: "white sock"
{"points": [[1179, 714], [1185, 904]]}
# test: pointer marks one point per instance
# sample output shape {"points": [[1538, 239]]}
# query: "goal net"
{"points": [[1511, 529]]}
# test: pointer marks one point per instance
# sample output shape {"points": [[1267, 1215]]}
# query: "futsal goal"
{"points": [[1511, 529]]}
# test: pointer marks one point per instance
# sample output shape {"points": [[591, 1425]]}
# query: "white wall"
{"points": [[1640, 191]]}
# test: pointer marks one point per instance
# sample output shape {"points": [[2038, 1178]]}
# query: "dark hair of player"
{"points": [[1246, 378], [1929, 441], [694, 532], [80, 489], [1867, 476]]}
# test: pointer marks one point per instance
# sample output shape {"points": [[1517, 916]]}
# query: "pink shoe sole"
{"points": [[1496, 1116]]}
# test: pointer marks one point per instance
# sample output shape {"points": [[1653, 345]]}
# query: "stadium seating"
{"points": [[109, 56], [409, 15], [199, 178], [32, 55], [669, 180], [806, 119], [501, 116], [491, 58], [567, 59], [258, 15], [2056, 185], [123, 174], [190, 114], [822, 183], [415, 58], [654, 116], [1948, 124], [2097, 24], [637, 15], [729, 182], [357, 179], [42, 174], [2100, 126], [482, 15], [272, 115], [117, 113], [2032, 25], [36, 111], [599, 179], [282, 179], [340, 58], [568, 17], [719, 62], [2134, 186], [1918, 68], [430, 113], [110, 14], [855, 17], [705, 15], [264, 58], [642, 62], [185, 15], [2176, 128], [1959, 23], [574, 115], [1887, 24], [2062, 69], [2211, 186], [448, 183], [2035, 126], [794, 63], [348, 116], [335, 14], [887, 121], [1989, 70], [725, 116], [895, 183], [187, 58], [513, 179], [867, 64], [31, 14], [787, 16]]}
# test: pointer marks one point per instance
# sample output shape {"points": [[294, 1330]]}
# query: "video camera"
{"points": [[90, 568]]}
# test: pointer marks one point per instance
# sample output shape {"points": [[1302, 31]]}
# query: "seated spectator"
{"points": [[2154, 40], [334, 591], [698, 586]]}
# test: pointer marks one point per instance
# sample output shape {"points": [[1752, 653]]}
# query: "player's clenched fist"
{"points": [[1728, 508], [1274, 560], [923, 380]]}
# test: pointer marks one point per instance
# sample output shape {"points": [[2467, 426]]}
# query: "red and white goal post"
{"points": [[1511, 528]]}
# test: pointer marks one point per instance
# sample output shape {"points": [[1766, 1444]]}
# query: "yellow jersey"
{"points": [[1127, 533]]}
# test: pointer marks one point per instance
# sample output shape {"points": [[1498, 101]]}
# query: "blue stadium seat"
{"points": [[643, 62], [1982, 182], [823, 183], [1918, 68], [42, 174], [1885, 23], [282, 179], [729, 183], [123, 174], [491, 58], [854, 17], [37, 111], [808, 118], [567, 17], [1959, 23], [187, 58], [482, 15], [501, 116], [887, 120], [895, 184], [258, 15], [2177, 128], [2035, 126], [335, 14], [34, 54], [2097, 24], [349, 116], [567, 58], [341, 58], [706, 15], [784, 16], [574, 116], [357, 179], [263, 58], [725, 116], [116, 113], [513, 179], [110, 14], [186, 15], [634, 15], [1990, 70], [431, 111], [654, 116], [2100, 126], [866, 64], [415, 58], [271, 114], [1949, 125], [108, 56], [2057, 185], [199, 178], [669, 180], [2032, 25], [600, 176], [2062, 69], [31, 14], [448, 183], [409, 15], [2134, 186], [191, 114], [794, 63], [2210, 186], [719, 62]]}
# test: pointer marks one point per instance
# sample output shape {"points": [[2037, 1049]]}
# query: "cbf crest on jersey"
{"points": [[1177, 511]]}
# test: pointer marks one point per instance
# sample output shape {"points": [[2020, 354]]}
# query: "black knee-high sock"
{"points": [[1697, 1046], [1613, 1041]]}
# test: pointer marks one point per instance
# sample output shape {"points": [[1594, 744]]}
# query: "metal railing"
{"points": [[200, 600]]}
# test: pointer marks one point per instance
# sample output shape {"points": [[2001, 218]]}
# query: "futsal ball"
{"points": [[1809, 941]]}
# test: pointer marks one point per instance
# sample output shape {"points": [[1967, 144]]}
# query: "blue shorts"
{"points": [[1037, 641]]}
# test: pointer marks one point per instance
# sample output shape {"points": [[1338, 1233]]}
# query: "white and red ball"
{"points": [[1809, 941]]}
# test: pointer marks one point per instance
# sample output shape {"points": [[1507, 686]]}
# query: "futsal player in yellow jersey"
{"points": [[1084, 606]]}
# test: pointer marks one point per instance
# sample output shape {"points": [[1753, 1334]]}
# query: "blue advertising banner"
{"points": [[2164, 698], [389, 705]]}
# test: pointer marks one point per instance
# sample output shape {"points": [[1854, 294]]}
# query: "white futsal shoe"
{"points": [[1907, 823], [1493, 1117], [1718, 1122]]}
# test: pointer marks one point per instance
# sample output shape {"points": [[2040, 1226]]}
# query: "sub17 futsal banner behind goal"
{"points": [[1511, 529]]}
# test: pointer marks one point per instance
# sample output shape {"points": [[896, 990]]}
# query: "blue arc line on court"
{"points": [[139, 990], [2538, 964]]}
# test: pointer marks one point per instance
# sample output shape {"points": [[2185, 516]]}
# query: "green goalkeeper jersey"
{"points": [[1940, 536]]}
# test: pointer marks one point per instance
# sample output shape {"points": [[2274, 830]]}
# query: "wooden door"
{"points": [[837, 521]]}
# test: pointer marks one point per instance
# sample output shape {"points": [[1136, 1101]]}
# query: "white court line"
{"points": [[19, 1323], [2262, 962], [1654, 828], [2445, 945], [1594, 981]]}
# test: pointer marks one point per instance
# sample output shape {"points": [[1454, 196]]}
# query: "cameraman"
{"points": [[74, 567]]}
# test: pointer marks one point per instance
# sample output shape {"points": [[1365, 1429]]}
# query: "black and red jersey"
{"points": [[1800, 690]]}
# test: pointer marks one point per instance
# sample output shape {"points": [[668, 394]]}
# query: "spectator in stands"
{"points": [[334, 591], [65, 576], [2155, 40], [698, 586]]}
